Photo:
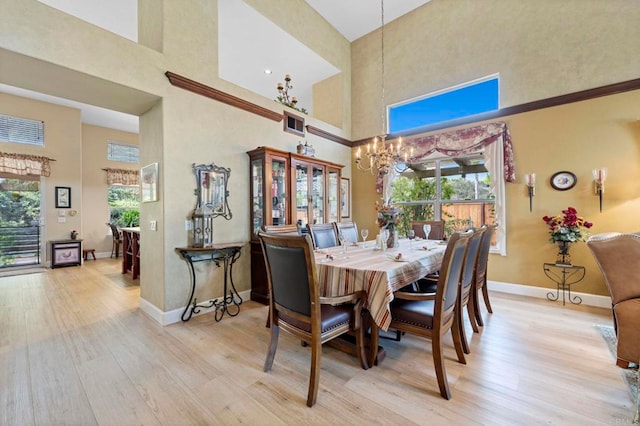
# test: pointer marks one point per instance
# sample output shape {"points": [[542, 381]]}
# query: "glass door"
{"points": [[317, 194], [302, 194], [334, 185], [279, 192]]}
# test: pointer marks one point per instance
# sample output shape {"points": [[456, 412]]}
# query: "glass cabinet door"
{"points": [[257, 183], [302, 194], [333, 201], [278, 192], [317, 195]]}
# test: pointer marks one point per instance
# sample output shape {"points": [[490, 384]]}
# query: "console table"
{"points": [[227, 254], [564, 276]]}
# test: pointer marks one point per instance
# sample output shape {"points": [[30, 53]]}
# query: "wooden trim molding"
{"points": [[220, 96], [330, 136], [611, 89]]}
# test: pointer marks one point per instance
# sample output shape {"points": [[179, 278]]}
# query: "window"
{"points": [[117, 151], [21, 130], [124, 205], [456, 190], [462, 101]]}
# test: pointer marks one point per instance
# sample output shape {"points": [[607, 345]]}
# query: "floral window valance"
{"points": [[465, 141], [24, 164], [123, 177]]}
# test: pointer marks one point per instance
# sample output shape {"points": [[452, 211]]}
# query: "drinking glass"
{"points": [[427, 231], [385, 237], [365, 234], [411, 235], [343, 242]]}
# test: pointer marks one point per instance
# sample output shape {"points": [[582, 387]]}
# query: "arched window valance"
{"points": [[463, 141], [24, 164], [123, 177]]}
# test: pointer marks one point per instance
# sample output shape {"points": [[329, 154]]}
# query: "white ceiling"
{"points": [[244, 56]]}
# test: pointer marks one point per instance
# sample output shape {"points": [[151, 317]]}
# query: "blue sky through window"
{"points": [[461, 102]]}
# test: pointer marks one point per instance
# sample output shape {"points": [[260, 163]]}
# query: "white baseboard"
{"points": [[170, 317], [541, 293]]}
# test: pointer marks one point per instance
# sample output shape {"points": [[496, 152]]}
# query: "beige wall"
{"points": [[177, 128], [540, 49], [63, 143]]}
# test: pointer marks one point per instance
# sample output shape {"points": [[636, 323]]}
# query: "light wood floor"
{"points": [[76, 349]]}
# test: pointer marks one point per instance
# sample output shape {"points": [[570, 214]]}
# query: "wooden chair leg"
{"points": [[362, 355], [373, 343], [476, 307], [457, 343], [458, 322], [438, 363], [273, 345], [472, 316], [314, 376], [485, 295]]}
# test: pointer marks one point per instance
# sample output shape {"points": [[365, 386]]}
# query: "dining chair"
{"points": [[437, 229], [429, 285], [348, 229], [480, 279], [432, 317], [295, 304], [466, 286], [116, 239], [617, 257], [323, 235], [281, 229]]}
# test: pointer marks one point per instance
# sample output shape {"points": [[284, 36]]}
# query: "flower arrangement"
{"points": [[567, 227], [387, 215], [74, 234]]}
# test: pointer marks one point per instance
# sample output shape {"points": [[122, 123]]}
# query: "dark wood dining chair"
{"points": [[116, 238], [480, 278], [348, 229], [323, 235], [467, 278], [432, 317], [295, 304], [437, 229], [281, 229]]}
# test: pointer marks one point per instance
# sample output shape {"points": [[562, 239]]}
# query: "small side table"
{"points": [[227, 254], [564, 276]]}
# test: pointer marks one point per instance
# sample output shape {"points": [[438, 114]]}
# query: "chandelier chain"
{"points": [[383, 156], [382, 107]]}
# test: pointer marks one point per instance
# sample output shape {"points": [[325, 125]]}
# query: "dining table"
{"points": [[364, 266]]}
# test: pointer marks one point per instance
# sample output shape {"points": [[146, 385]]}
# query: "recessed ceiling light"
{"points": [[267, 71]]}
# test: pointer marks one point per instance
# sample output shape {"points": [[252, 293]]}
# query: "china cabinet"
{"points": [[288, 188]]}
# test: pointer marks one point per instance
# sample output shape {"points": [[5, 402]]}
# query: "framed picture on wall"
{"points": [[149, 183], [345, 197], [63, 197]]}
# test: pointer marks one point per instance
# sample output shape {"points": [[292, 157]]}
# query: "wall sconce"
{"points": [[599, 176], [530, 180]]}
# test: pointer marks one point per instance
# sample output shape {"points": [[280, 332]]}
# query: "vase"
{"points": [[563, 257], [393, 240]]}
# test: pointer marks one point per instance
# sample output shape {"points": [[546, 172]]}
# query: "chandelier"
{"points": [[383, 156]]}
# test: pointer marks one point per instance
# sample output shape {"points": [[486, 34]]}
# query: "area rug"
{"points": [[630, 375]]}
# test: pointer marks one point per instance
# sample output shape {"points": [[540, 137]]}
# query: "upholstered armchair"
{"points": [[618, 256]]}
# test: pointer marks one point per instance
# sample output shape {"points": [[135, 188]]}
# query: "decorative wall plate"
{"points": [[563, 180]]}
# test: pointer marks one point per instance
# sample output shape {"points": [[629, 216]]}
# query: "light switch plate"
{"points": [[153, 225]]}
